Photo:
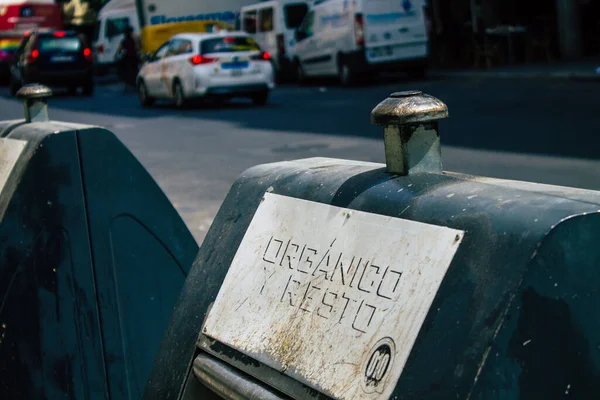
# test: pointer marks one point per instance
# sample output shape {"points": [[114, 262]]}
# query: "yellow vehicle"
{"points": [[154, 36], [154, 22]]}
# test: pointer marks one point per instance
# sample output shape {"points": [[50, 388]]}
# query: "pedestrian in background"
{"points": [[128, 59]]}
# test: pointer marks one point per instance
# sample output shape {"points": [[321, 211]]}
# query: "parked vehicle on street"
{"points": [[154, 22], [111, 23], [272, 24], [351, 39], [22, 15], [16, 18], [54, 58], [218, 65]]}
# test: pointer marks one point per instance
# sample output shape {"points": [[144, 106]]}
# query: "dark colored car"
{"points": [[54, 58]]}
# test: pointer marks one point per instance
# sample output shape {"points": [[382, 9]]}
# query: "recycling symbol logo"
{"points": [[407, 5]]}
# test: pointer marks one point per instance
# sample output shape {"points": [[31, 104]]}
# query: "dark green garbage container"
{"points": [[326, 278], [92, 259]]}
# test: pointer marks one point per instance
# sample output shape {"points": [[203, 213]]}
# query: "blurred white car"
{"points": [[221, 65]]}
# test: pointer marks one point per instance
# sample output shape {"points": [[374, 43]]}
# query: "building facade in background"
{"points": [[81, 15], [488, 33]]}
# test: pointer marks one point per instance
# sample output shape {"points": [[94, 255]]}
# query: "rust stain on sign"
{"points": [[332, 297]]}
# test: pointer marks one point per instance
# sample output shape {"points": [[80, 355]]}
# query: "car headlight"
{"points": [[3, 11]]}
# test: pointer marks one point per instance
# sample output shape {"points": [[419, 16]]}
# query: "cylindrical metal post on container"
{"points": [[411, 134]]}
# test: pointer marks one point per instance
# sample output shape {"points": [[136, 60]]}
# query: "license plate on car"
{"points": [[236, 72], [235, 65], [62, 59], [381, 51]]}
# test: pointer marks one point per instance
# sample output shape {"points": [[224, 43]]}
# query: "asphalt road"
{"points": [[534, 130]]}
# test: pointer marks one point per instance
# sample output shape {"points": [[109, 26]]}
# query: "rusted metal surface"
{"points": [[408, 108], [271, 377], [228, 383], [365, 279], [34, 91]]}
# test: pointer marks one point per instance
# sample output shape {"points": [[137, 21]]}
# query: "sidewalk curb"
{"points": [[574, 76]]}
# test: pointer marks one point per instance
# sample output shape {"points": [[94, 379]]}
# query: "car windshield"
{"points": [[63, 45], [228, 45], [294, 14]]}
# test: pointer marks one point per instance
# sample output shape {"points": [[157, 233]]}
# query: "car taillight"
{"points": [[359, 30], [197, 60], [32, 57], [262, 56], [59, 34], [281, 44], [87, 53]]}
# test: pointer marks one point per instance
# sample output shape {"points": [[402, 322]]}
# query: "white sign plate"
{"points": [[10, 151], [332, 297]]}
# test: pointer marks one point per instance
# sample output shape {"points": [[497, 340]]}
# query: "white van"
{"points": [[350, 38], [112, 21], [272, 24]]}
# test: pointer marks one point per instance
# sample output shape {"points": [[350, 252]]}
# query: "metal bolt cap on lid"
{"points": [[34, 91], [35, 100], [408, 107]]}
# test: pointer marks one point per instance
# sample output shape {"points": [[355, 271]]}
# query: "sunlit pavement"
{"points": [[536, 130]]}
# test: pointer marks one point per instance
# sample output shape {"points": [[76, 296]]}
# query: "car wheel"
{"points": [[178, 96], [145, 99], [345, 73], [260, 99], [88, 89]]}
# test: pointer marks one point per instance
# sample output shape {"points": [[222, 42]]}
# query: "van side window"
{"points": [[249, 21], [294, 14], [115, 26], [306, 27], [265, 17]]}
